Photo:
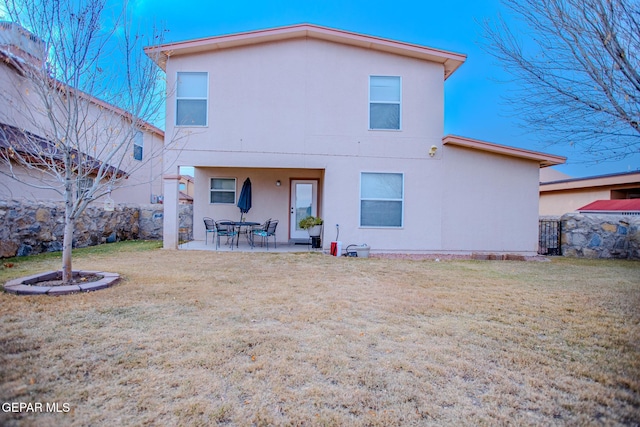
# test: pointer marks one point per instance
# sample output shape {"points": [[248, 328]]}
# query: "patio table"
{"points": [[239, 225]]}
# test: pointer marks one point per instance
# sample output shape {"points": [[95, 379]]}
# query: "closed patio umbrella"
{"points": [[244, 201]]}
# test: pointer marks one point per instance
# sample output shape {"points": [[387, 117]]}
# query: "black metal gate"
{"points": [[549, 231]]}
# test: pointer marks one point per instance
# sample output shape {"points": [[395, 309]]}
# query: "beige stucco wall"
{"points": [[299, 97], [562, 202], [490, 202], [146, 180]]}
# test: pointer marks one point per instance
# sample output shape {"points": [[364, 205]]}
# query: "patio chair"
{"points": [[209, 227], [225, 228], [257, 228], [269, 231]]}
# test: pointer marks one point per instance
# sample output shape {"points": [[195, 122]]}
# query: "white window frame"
{"points": [[83, 185], [212, 190], [399, 103], [205, 98], [138, 141], [381, 199]]}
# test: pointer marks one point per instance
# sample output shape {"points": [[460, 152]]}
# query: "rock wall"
{"points": [[28, 228], [185, 222], [601, 236]]}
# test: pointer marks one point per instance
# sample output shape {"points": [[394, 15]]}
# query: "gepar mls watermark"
{"points": [[37, 407]]}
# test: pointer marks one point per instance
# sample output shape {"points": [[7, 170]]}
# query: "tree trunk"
{"points": [[67, 246], [69, 225]]}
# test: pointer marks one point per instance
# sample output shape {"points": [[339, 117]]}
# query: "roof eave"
{"points": [[609, 180], [451, 61], [543, 159]]}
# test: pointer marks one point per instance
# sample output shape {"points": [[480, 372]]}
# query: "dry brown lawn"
{"points": [[205, 338]]}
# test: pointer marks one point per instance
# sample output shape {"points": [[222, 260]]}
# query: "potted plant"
{"points": [[312, 224]]}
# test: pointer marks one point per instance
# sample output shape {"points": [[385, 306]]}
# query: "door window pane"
{"points": [[304, 200]]}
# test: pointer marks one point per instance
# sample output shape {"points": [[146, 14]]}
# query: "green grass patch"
{"points": [[26, 265]]}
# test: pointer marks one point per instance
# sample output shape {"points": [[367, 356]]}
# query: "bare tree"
{"points": [[75, 113], [577, 69]]}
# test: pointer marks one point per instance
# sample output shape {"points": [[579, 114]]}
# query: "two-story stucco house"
{"points": [[345, 126]]}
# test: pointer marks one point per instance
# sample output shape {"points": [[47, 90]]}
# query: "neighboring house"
{"points": [[564, 195], [20, 49], [186, 189], [345, 126]]}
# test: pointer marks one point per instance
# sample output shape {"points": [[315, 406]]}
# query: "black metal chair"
{"points": [[210, 227], [268, 231], [225, 228], [257, 228]]}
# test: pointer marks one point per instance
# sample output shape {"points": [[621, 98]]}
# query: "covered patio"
{"points": [[282, 195]]}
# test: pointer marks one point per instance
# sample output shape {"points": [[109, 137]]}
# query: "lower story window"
{"points": [[223, 190], [381, 199]]}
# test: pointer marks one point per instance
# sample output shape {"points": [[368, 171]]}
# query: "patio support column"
{"points": [[171, 219]]}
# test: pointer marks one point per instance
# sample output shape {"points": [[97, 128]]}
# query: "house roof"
{"points": [[608, 180], [22, 47], [543, 158], [184, 196], [38, 150], [627, 205], [450, 60]]}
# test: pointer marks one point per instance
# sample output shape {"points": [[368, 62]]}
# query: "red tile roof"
{"points": [[613, 205]]}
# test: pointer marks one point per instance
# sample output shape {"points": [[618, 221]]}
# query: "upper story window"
{"points": [[191, 98], [381, 199], [83, 186], [384, 102], [138, 146], [223, 190]]}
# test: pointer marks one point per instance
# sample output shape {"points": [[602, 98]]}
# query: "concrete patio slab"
{"points": [[199, 245]]}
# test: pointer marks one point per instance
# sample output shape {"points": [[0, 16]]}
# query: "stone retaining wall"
{"points": [[28, 228], [601, 236], [185, 222]]}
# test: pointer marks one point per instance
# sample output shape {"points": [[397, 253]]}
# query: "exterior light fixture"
{"points": [[432, 151], [278, 183]]}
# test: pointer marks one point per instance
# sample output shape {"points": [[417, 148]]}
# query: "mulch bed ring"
{"points": [[50, 283]]}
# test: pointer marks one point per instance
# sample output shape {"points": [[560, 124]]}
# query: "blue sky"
{"points": [[474, 104]]}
